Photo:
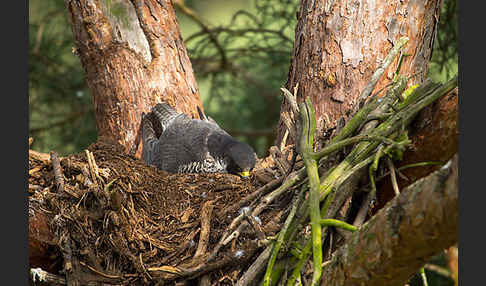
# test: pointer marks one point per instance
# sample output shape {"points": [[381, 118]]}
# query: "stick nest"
{"points": [[120, 221]]}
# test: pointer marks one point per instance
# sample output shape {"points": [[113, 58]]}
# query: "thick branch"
{"points": [[398, 240]]}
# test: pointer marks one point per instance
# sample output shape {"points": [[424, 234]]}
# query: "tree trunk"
{"points": [[339, 44], [134, 57]]}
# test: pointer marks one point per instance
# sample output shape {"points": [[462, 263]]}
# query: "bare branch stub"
{"points": [[58, 175]]}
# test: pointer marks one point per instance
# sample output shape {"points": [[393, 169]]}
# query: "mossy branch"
{"points": [[338, 223], [396, 113], [267, 281], [306, 147]]}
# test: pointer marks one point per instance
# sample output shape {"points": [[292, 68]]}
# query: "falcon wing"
{"points": [[184, 142]]}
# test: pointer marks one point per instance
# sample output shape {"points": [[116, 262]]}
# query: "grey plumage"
{"points": [[187, 145]]}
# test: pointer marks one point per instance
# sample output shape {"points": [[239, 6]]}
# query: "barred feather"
{"points": [[193, 146]]}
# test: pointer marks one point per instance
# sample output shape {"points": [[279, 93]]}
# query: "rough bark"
{"points": [[339, 44], [134, 57], [402, 236]]}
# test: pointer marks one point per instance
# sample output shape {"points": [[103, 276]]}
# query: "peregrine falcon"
{"points": [[187, 145]]}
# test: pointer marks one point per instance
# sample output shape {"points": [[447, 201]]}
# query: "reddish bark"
{"points": [[40, 240], [132, 62], [339, 45]]}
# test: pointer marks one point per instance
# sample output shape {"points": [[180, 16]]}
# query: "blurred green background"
{"points": [[239, 74]]}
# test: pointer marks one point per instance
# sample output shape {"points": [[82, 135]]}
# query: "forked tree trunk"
{"points": [[134, 57], [339, 44]]}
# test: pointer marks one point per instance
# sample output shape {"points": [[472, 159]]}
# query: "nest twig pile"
{"points": [[116, 220]]}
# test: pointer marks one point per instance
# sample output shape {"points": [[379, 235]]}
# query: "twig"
{"points": [[248, 278], [291, 98], [206, 212], [419, 164], [99, 272], [93, 168], [379, 71], [171, 273], [184, 246], [303, 259], [289, 118], [363, 211], [144, 268], [288, 183], [306, 143], [373, 167], [292, 162], [34, 187], [424, 277], [43, 157], [438, 269], [281, 237], [338, 223], [290, 131], [70, 265], [205, 27], [58, 176], [251, 197], [255, 225], [45, 278], [231, 233], [277, 156], [331, 148], [393, 176]]}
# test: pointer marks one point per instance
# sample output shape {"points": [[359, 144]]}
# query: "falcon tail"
{"points": [[164, 113], [149, 139]]}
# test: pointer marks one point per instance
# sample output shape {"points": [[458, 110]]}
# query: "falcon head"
{"points": [[241, 159]]}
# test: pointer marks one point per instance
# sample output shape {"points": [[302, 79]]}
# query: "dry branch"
{"points": [[56, 166], [206, 213]]}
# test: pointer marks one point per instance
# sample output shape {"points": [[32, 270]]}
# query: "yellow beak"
{"points": [[244, 174]]}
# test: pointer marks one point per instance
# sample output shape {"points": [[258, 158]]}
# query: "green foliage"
{"points": [[444, 62], [60, 109], [242, 63]]}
